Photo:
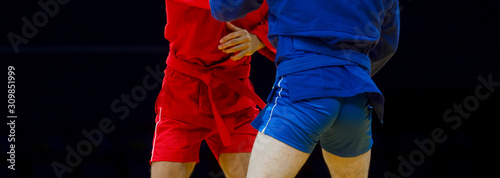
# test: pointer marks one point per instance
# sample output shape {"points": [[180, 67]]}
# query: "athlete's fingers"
{"points": [[235, 41], [241, 54], [237, 48], [236, 32], [232, 27], [231, 36]]}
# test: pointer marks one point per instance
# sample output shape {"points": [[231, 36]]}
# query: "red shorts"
{"points": [[178, 141]]}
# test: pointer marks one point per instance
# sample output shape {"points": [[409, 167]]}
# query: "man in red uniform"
{"points": [[206, 93]]}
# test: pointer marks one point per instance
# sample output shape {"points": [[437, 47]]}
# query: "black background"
{"points": [[93, 52]]}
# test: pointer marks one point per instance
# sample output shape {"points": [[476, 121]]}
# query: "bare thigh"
{"points": [[273, 158], [234, 165], [165, 169], [348, 167]]}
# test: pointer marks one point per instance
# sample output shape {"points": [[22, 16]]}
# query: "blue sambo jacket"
{"points": [[364, 33]]}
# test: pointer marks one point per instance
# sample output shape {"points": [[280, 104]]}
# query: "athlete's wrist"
{"points": [[258, 42]]}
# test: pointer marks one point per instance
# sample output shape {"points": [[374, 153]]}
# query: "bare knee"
{"points": [[163, 169]]}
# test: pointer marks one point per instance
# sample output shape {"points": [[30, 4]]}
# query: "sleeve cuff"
{"points": [[261, 32]]}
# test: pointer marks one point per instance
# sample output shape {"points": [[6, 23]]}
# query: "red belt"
{"points": [[214, 77]]}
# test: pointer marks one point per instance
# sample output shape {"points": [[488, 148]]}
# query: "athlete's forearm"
{"points": [[388, 41]]}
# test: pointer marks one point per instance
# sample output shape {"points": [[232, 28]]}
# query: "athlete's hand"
{"points": [[240, 41]]}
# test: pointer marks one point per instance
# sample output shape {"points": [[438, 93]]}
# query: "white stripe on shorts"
{"points": [[154, 139], [275, 103]]}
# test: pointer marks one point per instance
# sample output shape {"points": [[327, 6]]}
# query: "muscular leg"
{"points": [[234, 165], [352, 167], [273, 158], [165, 169]]}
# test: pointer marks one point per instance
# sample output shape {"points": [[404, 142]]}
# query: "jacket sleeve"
{"points": [[388, 41], [197, 3], [261, 32], [230, 10]]}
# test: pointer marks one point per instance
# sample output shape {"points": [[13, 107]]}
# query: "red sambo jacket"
{"points": [[212, 85]]}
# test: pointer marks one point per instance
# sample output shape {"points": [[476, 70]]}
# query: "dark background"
{"points": [[93, 52]]}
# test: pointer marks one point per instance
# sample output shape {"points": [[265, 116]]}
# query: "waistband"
{"points": [[214, 76]]}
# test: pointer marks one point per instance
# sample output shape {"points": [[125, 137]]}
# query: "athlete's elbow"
{"points": [[220, 12], [224, 17]]}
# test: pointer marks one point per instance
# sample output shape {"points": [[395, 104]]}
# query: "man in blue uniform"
{"points": [[327, 52]]}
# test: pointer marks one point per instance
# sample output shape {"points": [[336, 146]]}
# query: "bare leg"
{"points": [[166, 169], [273, 158], [353, 167], [234, 165]]}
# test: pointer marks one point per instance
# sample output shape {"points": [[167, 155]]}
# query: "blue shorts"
{"points": [[342, 125]]}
